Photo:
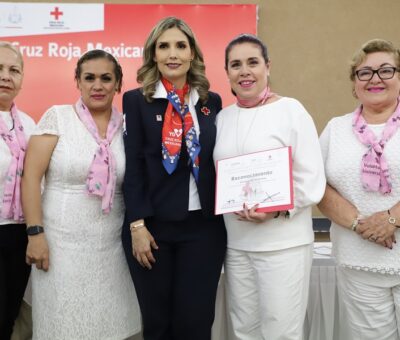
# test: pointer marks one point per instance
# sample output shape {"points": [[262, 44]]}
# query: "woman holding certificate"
{"points": [[361, 154], [269, 254], [174, 244]]}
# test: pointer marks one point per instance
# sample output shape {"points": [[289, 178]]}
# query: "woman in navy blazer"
{"points": [[174, 244]]}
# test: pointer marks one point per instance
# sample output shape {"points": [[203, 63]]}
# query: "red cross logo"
{"points": [[205, 110], [56, 13]]}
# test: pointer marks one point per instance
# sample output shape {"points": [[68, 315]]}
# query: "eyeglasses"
{"points": [[383, 73]]}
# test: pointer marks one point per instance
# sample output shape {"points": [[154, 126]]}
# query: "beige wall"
{"points": [[311, 43]]}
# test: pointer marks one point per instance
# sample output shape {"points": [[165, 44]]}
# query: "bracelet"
{"points": [[136, 225], [354, 225], [278, 213], [392, 220]]}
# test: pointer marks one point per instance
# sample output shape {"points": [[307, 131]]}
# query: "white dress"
{"points": [[87, 292]]}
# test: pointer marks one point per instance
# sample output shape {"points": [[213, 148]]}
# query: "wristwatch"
{"points": [[34, 230]]}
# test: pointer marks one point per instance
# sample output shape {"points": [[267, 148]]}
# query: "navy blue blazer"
{"points": [[148, 189]]}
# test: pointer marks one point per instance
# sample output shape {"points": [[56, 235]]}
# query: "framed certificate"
{"points": [[263, 178]]}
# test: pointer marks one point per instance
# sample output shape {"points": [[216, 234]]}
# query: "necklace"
{"points": [[240, 146]]}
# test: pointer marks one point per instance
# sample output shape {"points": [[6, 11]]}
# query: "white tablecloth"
{"points": [[325, 317]]}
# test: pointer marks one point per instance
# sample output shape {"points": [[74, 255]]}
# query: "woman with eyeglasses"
{"points": [[361, 154]]}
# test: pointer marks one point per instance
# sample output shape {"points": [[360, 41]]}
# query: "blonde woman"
{"points": [[174, 244], [360, 151], [15, 129]]}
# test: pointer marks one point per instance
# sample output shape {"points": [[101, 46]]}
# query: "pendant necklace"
{"points": [[240, 150]]}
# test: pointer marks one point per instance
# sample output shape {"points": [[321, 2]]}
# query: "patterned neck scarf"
{"points": [[16, 142], [374, 168], [178, 122], [258, 100], [102, 176]]}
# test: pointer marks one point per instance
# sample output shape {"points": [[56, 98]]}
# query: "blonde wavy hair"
{"points": [[7, 44], [372, 46], [148, 74]]}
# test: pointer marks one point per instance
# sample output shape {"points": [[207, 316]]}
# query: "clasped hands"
{"points": [[376, 228]]}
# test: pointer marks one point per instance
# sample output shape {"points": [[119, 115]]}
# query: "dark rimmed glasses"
{"points": [[384, 73]]}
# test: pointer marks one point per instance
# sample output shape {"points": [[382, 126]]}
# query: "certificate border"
{"points": [[264, 209]]}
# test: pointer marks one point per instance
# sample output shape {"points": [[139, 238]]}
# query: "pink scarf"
{"points": [[102, 176], [374, 168], [258, 100], [12, 208]]}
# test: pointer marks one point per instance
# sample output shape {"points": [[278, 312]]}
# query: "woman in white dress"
{"points": [[81, 284]]}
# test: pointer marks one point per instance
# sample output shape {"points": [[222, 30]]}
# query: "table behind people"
{"points": [[174, 244], [361, 152], [80, 282], [15, 129], [269, 256]]}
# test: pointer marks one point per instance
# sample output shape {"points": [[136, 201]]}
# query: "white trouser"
{"points": [[267, 292], [372, 303]]}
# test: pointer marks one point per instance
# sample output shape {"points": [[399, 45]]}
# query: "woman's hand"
{"points": [[142, 243], [251, 215], [37, 251], [376, 228]]}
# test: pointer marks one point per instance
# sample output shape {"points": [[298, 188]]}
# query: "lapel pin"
{"points": [[205, 110], [159, 118]]}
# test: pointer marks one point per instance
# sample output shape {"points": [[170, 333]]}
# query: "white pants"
{"points": [[372, 302], [267, 292]]}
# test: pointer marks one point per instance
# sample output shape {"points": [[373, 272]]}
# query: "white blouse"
{"points": [[342, 153], [5, 154], [284, 122], [161, 92]]}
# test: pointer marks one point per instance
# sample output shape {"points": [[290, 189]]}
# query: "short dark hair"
{"points": [[246, 38], [100, 54]]}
